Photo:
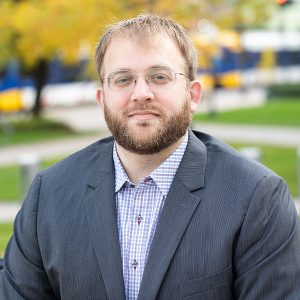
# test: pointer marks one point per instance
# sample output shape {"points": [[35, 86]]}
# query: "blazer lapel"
{"points": [[178, 210], [102, 220]]}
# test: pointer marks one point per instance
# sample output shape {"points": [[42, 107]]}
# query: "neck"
{"points": [[138, 166]]}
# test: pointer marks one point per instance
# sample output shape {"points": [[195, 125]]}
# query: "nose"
{"points": [[141, 90]]}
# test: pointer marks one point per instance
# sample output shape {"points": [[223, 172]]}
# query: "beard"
{"points": [[153, 139]]}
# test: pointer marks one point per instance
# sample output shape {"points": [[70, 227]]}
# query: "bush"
{"points": [[285, 91], [26, 130], [39, 124]]}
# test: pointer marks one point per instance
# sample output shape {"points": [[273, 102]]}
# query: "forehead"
{"points": [[133, 54]]}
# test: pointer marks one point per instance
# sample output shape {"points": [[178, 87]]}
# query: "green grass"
{"points": [[5, 233], [284, 90], [278, 112], [9, 183], [32, 130], [282, 161], [10, 188], [283, 111]]}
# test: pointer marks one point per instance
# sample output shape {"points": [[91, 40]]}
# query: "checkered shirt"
{"points": [[138, 209]]}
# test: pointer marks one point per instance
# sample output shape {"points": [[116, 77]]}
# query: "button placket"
{"points": [[136, 232]]}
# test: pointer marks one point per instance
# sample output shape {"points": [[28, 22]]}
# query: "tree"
{"points": [[235, 14], [36, 31]]}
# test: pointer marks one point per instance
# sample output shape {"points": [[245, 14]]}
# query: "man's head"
{"points": [[148, 94], [142, 29]]}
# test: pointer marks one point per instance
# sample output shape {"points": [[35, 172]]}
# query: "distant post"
{"points": [[298, 170], [29, 167], [252, 152]]}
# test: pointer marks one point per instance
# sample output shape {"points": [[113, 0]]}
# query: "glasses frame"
{"points": [[107, 78]]}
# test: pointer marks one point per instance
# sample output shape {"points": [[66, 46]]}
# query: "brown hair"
{"points": [[142, 29]]}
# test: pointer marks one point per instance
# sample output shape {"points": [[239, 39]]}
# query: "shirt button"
{"points": [[147, 179], [131, 185], [134, 264], [139, 219]]}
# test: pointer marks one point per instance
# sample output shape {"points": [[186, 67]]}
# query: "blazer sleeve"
{"points": [[267, 252], [23, 275]]}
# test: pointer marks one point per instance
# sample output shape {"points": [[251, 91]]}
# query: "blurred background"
{"points": [[249, 64]]}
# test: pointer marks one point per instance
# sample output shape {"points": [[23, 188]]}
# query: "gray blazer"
{"points": [[228, 230]]}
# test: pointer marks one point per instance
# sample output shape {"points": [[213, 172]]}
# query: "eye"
{"points": [[160, 76], [122, 79]]}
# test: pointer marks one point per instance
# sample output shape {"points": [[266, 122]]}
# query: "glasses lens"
{"points": [[160, 76], [121, 80]]}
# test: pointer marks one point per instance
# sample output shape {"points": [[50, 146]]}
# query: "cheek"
{"points": [[115, 103], [175, 102]]}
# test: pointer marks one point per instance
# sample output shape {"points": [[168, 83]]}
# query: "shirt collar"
{"points": [[121, 176], [163, 175]]}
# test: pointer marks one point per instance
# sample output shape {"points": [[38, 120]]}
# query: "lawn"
{"points": [[5, 233], [31, 130], [10, 188], [281, 160], [277, 112]]}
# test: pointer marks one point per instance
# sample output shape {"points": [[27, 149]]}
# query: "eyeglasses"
{"points": [[157, 78]]}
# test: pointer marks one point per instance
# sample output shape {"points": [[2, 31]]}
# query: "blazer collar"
{"points": [[191, 171]]}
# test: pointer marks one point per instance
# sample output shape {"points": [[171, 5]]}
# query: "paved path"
{"points": [[277, 136], [8, 211], [90, 118], [50, 149], [285, 137], [83, 118]]}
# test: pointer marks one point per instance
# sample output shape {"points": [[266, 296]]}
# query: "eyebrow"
{"points": [[151, 67]]}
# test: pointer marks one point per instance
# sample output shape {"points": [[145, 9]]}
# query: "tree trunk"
{"points": [[40, 73]]}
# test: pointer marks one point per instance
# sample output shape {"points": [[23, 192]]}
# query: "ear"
{"points": [[100, 98], [196, 93]]}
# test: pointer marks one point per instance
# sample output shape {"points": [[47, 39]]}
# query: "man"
{"points": [[157, 211]]}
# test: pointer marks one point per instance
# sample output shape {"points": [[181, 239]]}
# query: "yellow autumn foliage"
{"points": [[47, 28], [34, 29]]}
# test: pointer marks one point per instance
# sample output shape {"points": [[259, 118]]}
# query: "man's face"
{"points": [[147, 118]]}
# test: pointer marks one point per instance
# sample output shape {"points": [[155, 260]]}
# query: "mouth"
{"points": [[143, 115]]}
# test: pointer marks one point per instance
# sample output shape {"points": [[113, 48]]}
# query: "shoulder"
{"points": [[229, 171], [82, 161], [222, 155]]}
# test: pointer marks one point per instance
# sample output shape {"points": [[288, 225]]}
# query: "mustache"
{"points": [[142, 107]]}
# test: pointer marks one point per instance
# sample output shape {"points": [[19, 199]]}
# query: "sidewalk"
{"points": [[8, 211], [50, 149], [83, 118], [268, 135], [89, 118], [277, 136]]}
